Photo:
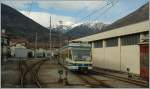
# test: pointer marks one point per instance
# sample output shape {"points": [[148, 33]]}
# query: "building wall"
{"points": [[117, 58], [120, 59], [98, 57], [130, 58], [21, 52], [112, 58], [12, 50], [122, 56]]}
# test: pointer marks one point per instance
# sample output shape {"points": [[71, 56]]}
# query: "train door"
{"points": [[144, 61]]}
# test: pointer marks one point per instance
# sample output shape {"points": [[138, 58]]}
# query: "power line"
{"points": [[108, 3], [103, 13], [106, 10], [30, 8], [79, 12], [11, 2]]}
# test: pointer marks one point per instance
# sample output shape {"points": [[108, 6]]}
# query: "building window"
{"points": [[130, 39], [98, 44], [112, 42], [145, 37]]}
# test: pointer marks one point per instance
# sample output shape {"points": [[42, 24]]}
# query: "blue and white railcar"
{"points": [[76, 56]]}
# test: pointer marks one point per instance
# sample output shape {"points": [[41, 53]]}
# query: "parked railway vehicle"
{"points": [[76, 56]]}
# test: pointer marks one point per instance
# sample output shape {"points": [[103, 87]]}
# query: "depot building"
{"points": [[119, 49]]}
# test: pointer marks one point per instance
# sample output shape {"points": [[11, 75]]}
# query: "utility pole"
{"points": [[50, 42], [60, 28], [35, 44]]}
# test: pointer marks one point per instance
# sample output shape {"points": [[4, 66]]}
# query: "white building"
{"points": [[19, 50]]}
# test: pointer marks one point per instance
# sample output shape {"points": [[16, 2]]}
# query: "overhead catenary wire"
{"points": [[30, 8], [11, 2], [79, 12], [93, 12], [107, 9]]}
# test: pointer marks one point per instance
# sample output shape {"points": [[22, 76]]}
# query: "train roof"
{"points": [[77, 45]]}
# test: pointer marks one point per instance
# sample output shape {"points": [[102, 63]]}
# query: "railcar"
{"points": [[76, 57]]}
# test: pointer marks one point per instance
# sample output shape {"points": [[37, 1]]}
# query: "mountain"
{"points": [[17, 24], [84, 30], [139, 15], [63, 28]]}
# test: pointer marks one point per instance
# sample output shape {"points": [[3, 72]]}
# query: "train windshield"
{"points": [[81, 55]]}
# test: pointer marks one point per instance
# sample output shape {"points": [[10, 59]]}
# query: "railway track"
{"points": [[21, 74], [136, 82], [32, 69], [93, 82], [90, 80], [100, 83]]}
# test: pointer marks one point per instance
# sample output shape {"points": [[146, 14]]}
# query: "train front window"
{"points": [[82, 55]]}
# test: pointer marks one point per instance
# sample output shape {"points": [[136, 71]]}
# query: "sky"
{"points": [[74, 12]]}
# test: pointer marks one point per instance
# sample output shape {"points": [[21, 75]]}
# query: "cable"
{"points": [[92, 13], [13, 4], [106, 10], [108, 3], [79, 12], [30, 8]]}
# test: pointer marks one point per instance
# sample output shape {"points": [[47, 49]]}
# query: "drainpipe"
{"points": [[119, 44]]}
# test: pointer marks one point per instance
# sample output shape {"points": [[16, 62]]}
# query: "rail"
{"points": [[98, 83], [136, 82], [33, 69]]}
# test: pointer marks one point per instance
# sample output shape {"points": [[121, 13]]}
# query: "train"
{"points": [[76, 57]]}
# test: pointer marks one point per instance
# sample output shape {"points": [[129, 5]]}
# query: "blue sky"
{"points": [[71, 12]]}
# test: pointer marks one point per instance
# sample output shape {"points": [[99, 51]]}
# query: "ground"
{"points": [[49, 77]]}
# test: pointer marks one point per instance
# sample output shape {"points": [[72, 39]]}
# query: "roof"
{"points": [[39, 45], [18, 40], [126, 30], [4, 35]]}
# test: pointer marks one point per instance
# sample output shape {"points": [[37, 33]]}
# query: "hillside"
{"points": [[84, 30], [140, 14], [16, 24]]}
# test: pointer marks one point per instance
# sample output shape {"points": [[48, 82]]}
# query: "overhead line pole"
{"points": [[35, 44], [50, 42]]}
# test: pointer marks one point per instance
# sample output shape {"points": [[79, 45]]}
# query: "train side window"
{"points": [[98, 44], [111, 42]]}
